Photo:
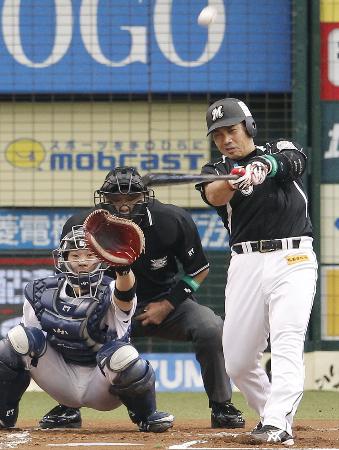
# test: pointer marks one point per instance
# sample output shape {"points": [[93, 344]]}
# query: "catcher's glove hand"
{"points": [[116, 241]]}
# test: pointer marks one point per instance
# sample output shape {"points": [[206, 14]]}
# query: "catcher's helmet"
{"points": [[227, 112], [75, 240], [124, 181]]}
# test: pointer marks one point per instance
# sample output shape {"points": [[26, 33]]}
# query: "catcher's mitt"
{"points": [[116, 241]]}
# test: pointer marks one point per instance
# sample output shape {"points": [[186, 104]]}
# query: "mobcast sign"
{"points": [[61, 152]]}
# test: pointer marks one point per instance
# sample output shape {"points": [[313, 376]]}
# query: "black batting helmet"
{"points": [[227, 112]]}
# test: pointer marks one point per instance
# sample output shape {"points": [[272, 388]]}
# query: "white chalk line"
{"points": [[12, 440], [188, 445], [93, 444]]}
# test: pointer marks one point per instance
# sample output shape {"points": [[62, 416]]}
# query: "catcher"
{"points": [[167, 306], [74, 339]]}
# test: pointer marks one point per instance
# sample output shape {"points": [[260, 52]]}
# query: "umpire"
{"points": [[273, 270], [167, 307]]}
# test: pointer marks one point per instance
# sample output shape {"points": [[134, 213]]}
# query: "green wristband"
{"points": [[274, 165], [182, 290], [191, 282]]}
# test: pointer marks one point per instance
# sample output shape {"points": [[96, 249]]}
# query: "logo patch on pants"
{"points": [[295, 259]]}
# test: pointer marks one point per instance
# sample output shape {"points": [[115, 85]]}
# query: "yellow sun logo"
{"points": [[25, 153]]}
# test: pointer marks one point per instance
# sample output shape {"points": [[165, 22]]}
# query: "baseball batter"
{"points": [[74, 342], [273, 270]]}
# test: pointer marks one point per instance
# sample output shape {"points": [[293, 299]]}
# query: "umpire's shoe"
{"points": [[61, 417], [226, 415], [158, 422]]}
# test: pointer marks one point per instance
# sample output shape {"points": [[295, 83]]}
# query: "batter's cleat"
{"points": [[226, 415], [272, 435], [61, 417], [257, 427], [158, 422]]}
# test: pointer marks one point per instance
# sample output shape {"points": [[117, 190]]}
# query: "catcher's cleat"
{"points": [[272, 435], [226, 415], [61, 417], [158, 422]]}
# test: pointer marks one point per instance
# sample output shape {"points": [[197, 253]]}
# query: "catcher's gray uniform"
{"points": [[74, 342], [76, 383]]}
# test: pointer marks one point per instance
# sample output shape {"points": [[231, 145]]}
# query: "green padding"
{"points": [[274, 165]]}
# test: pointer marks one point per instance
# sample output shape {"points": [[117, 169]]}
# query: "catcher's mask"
{"points": [[86, 281], [120, 182], [227, 112]]}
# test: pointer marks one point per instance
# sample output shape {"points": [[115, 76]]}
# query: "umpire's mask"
{"points": [[124, 194]]}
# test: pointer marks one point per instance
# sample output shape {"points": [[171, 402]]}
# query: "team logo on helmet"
{"points": [[217, 113]]}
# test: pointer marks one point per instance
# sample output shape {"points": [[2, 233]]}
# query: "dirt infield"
{"points": [[184, 435]]}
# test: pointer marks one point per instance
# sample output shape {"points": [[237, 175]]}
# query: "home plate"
{"points": [[93, 444]]}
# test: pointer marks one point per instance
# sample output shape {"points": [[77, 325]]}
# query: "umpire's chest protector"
{"points": [[73, 329]]}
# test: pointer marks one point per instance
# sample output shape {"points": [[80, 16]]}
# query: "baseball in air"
{"points": [[207, 16]]}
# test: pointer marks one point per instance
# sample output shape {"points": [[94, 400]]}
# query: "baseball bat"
{"points": [[164, 179]]}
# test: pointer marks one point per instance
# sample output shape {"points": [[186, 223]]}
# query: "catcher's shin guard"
{"points": [[139, 398], [134, 384], [14, 381]]}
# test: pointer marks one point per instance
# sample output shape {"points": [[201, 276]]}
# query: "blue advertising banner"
{"points": [[122, 46], [176, 372], [23, 229]]}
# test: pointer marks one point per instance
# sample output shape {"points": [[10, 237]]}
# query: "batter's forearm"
{"points": [[218, 193]]}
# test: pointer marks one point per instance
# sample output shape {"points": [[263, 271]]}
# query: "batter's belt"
{"points": [[265, 246]]}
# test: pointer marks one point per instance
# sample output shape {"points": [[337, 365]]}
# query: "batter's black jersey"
{"points": [[277, 208], [170, 236]]}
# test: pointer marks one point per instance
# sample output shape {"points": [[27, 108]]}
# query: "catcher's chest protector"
{"points": [[73, 327]]}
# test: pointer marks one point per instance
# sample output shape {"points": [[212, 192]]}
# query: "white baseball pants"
{"points": [[269, 294]]}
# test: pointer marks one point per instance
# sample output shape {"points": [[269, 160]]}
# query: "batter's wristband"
{"points": [[274, 165], [182, 290], [125, 296]]}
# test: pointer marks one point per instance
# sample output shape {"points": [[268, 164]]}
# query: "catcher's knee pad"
{"points": [[133, 374], [117, 356], [14, 380], [27, 341], [137, 379]]}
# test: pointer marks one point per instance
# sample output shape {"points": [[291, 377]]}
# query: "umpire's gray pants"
{"points": [[198, 324]]}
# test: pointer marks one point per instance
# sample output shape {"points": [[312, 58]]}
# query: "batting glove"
{"points": [[262, 167], [258, 171], [244, 182]]}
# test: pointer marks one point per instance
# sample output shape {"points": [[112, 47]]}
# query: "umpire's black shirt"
{"points": [[277, 208], [170, 236]]}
